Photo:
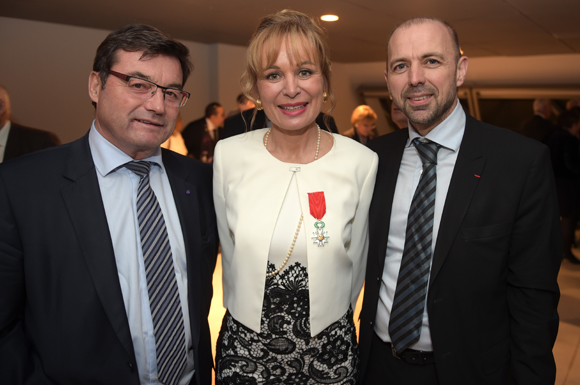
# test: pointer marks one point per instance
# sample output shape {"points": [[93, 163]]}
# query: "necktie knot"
{"points": [[140, 168], [427, 150]]}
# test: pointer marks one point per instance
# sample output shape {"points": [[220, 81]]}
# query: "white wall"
{"points": [[231, 61], [45, 68]]}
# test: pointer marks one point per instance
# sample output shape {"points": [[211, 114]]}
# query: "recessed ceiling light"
{"points": [[329, 17]]}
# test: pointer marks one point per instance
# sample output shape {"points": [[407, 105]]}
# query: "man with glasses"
{"points": [[108, 243]]}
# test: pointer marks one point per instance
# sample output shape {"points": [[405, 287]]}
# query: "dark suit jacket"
{"points": [[492, 293], [351, 133], [23, 140], [62, 316], [197, 139], [240, 123], [537, 128]]}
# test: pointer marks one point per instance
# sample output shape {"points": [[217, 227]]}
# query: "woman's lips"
{"points": [[293, 109]]}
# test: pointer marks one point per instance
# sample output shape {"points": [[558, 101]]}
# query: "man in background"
{"points": [[201, 135], [16, 140], [539, 126], [243, 104], [108, 243]]}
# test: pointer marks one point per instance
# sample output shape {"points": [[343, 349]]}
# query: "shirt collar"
{"points": [[108, 158], [209, 124], [448, 133]]}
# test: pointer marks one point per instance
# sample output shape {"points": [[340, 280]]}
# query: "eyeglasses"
{"points": [[145, 90]]}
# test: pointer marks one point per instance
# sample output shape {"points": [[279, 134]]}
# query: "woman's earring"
{"points": [[259, 105], [324, 97]]}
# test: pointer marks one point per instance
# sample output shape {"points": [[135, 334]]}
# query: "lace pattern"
{"points": [[283, 352]]}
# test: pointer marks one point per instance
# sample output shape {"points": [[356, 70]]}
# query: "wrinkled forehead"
{"points": [[298, 47]]}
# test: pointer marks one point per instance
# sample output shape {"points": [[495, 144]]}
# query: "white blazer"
{"points": [[249, 187]]}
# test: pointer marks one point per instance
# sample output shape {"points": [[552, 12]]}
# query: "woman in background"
{"points": [[363, 121], [292, 204]]}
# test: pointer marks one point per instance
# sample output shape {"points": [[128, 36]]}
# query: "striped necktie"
{"points": [[164, 299], [409, 302]]}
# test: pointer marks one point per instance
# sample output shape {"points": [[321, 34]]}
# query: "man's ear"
{"points": [[462, 70], [95, 86]]}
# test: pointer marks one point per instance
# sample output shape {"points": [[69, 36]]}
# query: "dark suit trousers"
{"points": [[383, 368]]}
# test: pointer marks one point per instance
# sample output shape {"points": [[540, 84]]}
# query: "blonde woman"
{"points": [[292, 204], [363, 121]]}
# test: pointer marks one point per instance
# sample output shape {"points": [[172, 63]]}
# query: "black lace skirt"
{"points": [[283, 352]]}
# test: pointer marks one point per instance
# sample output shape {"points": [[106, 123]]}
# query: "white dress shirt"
{"points": [[211, 128], [448, 134], [4, 131], [119, 193]]}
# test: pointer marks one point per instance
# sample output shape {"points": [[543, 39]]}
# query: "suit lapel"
{"points": [[468, 170], [186, 201], [381, 205], [85, 207]]}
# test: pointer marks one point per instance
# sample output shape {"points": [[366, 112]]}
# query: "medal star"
{"points": [[320, 237]]}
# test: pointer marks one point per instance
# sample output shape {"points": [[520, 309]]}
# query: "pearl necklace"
{"points": [[317, 141], [289, 251], [268, 275]]}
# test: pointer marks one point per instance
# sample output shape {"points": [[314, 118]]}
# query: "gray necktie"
{"points": [[161, 283], [409, 302]]}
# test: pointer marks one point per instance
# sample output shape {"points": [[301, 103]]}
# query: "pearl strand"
{"points": [[268, 275], [289, 251], [317, 141]]}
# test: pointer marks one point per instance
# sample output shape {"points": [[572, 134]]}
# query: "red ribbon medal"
{"points": [[318, 210]]}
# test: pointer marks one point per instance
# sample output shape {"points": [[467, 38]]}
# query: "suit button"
{"points": [[131, 368], [378, 279], [371, 322]]}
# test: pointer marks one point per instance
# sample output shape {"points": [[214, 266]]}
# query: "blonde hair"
{"points": [[301, 31], [363, 112]]}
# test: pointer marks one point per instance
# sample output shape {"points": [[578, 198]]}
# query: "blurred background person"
{"points": [[565, 153], [292, 202], [16, 140], [539, 126], [243, 104], [363, 121], [201, 135], [572, 103], [175, 141]]}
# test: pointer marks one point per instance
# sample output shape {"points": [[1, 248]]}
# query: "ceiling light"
{"points": [[329, 17]]}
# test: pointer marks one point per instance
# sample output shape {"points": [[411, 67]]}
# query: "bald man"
{"points": [[539, 127], [17, 140], [460, 285]]}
